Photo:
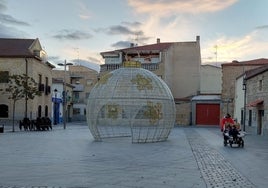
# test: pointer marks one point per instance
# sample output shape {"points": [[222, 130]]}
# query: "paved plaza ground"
{"points": [[193, 157]]}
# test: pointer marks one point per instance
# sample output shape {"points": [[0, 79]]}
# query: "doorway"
{"points": [[259, 122]]}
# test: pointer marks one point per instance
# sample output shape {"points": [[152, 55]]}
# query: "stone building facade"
{"points": [[25, 56], [230, 71], [257, 100]]}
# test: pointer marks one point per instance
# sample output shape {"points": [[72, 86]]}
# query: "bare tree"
{"points": [[19, 87]]}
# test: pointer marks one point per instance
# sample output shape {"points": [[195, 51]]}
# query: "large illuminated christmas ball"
{"points": [[131, 101]]}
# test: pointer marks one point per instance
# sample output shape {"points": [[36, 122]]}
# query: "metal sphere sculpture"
{"points": [[131, 101]]}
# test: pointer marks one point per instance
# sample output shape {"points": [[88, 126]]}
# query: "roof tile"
{"points": [[15, 47]]}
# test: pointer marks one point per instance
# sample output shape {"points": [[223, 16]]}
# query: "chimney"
{"points": [[197, 38], [131, 45], [158, 40]]}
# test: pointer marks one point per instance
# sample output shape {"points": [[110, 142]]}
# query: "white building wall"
{"points": [[239, 99]]}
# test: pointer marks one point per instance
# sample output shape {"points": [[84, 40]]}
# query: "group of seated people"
{"points": [[41, 123]]}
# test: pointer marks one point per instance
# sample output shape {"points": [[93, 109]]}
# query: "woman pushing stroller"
{"points": [[225, 121], [231, 132]]}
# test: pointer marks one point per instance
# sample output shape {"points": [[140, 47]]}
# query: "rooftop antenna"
{"points": [[216, 53]]}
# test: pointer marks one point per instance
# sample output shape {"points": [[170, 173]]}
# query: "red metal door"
{"points": [[207, 114]]}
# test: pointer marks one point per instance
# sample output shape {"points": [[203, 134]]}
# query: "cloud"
{"points": [[122, 30], [132, 24], [8, 24], [3, 6], [262, 27], [87, 63], [250, 46], [93, 59], [72, 35], [168, 7], [7, 19], [121, 44], [130, 30], [11, 32]]}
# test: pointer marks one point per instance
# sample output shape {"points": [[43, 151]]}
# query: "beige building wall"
{"points": [[210, 79], [83, 79], [178, 65], [182, 69], [36, 69]]}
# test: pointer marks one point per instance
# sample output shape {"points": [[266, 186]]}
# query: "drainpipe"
{"points": [[245, 95], [26, 94]]}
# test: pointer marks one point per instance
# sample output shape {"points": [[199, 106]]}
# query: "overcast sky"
{"points": [[78, 30]]}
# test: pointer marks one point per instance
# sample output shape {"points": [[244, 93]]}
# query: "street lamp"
{"points": [[55, 107], [64, 92]]}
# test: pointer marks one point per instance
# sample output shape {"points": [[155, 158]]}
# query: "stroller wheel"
{"points": [[225, 142], [231, 143]]}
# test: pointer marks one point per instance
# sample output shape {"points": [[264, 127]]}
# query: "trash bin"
{"points": [[1, 128]]}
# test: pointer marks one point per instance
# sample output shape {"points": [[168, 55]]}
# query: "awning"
{"points": [[255, 103]]}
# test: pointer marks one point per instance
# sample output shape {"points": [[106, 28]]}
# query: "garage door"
{"points": [[207, 114]]}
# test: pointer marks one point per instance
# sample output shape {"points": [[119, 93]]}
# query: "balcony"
{"points": [[47, 90], [111, 67], [78, 87], [41, 87], [79, 101]]}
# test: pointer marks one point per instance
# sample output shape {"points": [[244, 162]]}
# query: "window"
{"points": [[41, 87], [40, 79], [39, 111], [87, 95], [3, 111], [46, 111], [76, 96], [260, 85], [76, 111], [47, 87], [89, 82], [4, 76]]}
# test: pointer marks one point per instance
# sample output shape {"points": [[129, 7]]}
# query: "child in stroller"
{"points": [[232, 135]]}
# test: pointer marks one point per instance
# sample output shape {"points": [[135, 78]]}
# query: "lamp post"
{"points": [[64, 92], [245, 95], [55, 107]]}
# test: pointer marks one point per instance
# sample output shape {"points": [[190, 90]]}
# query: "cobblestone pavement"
{"points": [[215, 169]]}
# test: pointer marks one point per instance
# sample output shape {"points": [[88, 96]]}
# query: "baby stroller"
{"points": [[233, 136]]}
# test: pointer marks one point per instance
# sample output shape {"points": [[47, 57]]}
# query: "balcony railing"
{"points": [[41, 87], [79, 100], [47, 90], [78, 87], [111, 67]]}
